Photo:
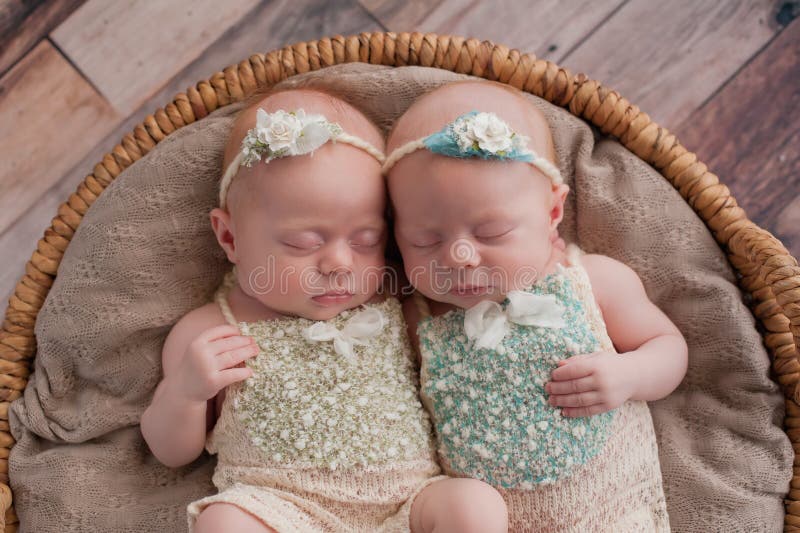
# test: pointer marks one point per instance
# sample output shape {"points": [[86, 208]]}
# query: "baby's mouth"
{"points": [[470, 290], [332, 297]]}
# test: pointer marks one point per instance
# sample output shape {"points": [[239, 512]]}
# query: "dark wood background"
{"points": [[75, 76]]}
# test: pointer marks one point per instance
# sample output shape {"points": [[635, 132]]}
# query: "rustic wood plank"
{"points": [[401, 16], [549, 29], [130, 49], [669, 57], [24, 24], [748, 135], [271, 25], [51, 119]]}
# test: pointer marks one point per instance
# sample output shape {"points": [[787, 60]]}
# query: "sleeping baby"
{"points": [[301, 370], [536, 361]]}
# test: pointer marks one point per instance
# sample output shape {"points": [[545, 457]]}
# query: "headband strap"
{"points": [[281, 134], [478, 134]]}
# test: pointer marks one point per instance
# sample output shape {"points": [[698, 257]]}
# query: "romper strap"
{"points": [[221, 296], [573, 253], [422, 304]]}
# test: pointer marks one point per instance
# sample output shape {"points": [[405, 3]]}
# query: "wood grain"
{"points": [[130, 49], [51, 119], [548, 28], [270, 25], [748, 134], [24, 23], [400, 16], [670, 57]]}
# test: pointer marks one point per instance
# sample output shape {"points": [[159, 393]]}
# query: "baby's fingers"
{"points": [[232, 358], [571, 386], [230, 343], [592, 410], [573, 370], [583, 399], [232, 375]]}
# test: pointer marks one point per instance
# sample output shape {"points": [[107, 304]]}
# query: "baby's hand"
{"points": [[212, 362], [589, 384]]}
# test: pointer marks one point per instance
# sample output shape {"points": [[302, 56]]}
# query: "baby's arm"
{"points": [[654, 349], [652, 356], [175, 424]]}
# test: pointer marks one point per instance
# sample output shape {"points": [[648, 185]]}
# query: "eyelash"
{"points": [[303, 248], [492, 237], [370, 245]]}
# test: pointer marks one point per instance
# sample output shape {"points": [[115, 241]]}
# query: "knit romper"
{"points": [[493, 421], [314, 441]]}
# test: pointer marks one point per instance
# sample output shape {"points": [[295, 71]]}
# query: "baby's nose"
{"points": [[463, 252], [336, 257]]}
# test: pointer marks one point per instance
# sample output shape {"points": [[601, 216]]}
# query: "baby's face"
{"points": [[471, 230], [309, 230], [312, 236]]}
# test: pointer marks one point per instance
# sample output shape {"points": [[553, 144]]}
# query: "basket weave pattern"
{"points": [[767, 272]]}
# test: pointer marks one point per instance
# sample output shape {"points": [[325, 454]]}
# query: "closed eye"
{"points": [[425, 244], [492, 236], [302, 245], [367, 239]]}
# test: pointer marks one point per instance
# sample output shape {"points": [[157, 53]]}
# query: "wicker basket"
{"points": [[767, 271]]}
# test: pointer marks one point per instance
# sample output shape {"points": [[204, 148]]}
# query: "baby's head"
{"points": [[472, 229], [306, 232]]}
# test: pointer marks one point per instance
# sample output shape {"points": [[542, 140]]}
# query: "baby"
{"points": [[300, 375], [536, 361]]}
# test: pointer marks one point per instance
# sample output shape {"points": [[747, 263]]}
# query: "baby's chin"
{"points": [[325, 307]]}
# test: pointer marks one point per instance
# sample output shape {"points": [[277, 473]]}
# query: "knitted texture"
{"points": [[491, 411], [315, 442], [598, 473]]}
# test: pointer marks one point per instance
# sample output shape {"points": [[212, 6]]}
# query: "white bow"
{"points": [[358, 329], [487, 323]]}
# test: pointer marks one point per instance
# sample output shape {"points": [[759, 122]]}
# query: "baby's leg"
{"points": [[459, 505], [228, 517]]}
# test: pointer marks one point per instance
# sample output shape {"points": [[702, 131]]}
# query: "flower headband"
{"points": [[478, 134], [282, 134]]}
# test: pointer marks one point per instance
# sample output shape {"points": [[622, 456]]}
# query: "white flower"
{"points": [[484, 131], [279, 130]]}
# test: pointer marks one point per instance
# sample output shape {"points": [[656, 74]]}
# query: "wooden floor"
{"points": [[75, 76]]}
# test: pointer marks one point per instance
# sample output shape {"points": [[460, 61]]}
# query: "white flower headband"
{"points": [[286, 133], [478, 134]]}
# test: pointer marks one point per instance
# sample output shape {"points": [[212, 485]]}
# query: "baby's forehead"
{"points": [[432, 111]]}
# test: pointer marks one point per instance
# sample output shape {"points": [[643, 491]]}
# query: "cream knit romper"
{"points": [[493, 422], [315, 441]]}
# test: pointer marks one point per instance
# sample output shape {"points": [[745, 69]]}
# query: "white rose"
{"points": [[492, 133], [463, 135], [279, 130]]}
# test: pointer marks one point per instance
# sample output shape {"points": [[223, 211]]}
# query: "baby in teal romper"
{"points": [[536, 362]]}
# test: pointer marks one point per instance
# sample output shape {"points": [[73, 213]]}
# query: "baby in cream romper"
{"points": [[321, 427]]}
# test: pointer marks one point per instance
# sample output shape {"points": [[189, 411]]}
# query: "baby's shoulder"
{"points": [[609, 277], [602, 266], [201, 318]]}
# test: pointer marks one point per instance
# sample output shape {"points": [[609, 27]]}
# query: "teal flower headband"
{"points": [[478, 134]]}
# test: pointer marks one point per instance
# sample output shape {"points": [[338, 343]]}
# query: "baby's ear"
{"points": [[221, 224], [557, 209]]}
